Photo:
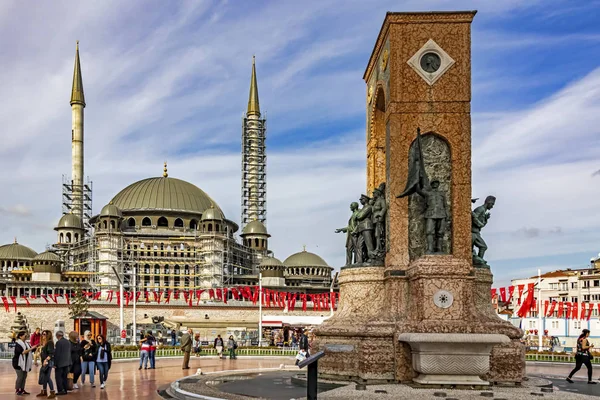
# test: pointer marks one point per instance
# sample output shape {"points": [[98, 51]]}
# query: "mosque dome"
{"points": [[47, 256], [164, 194], [16, 251], [69, 221], [110, 210], [271, 262], [212, 214], [305, 259], [255, 228]]}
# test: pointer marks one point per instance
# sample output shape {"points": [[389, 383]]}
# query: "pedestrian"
{"points": [[583, 356], [103, 359], [47, 354], [142, 335], [197, 344], [144, 352], [186, 347], [219, 346], [173, 337], [160, 337], [62, 362], [88, 364], [232, 346], [22, 361], [34, 341], [152, 353], [75, 370]]}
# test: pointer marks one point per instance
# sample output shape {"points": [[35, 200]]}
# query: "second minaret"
{"points": [[77, 106]]}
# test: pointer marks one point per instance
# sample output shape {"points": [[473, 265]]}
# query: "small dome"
{"points": [[305, 259], [255, 228], [47, 256], [16, 251], [271, 262], [110, 210], [212, 214], [69, 221]]}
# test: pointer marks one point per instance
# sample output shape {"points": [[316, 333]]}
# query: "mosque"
{"points": [[160, 233]]}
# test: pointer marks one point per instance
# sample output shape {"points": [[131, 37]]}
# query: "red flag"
{"points": [[185, 295], [127, 298], [97, 295], [119, 298], [26, 299], [568, 310], [45, 298], [528, 303], [14, 301], [493, 293], [110, 296], [583, 309], [511, 291], [33, 296], [168, 299], [560, 309], [198, 295], [66, 298], [503, 294], [575, 310], [333, 300], [546, 304], [520, 288], [54, 298], [5, 301], [292, 305], [591, 308], [303, 298], [211, 293], [552, 307], [225, 290], [137, 296]]}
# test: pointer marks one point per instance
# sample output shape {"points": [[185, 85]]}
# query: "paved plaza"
{"points": [[125, 381]]}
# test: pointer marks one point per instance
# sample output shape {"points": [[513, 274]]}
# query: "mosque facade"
{"points": [[160, 234]]}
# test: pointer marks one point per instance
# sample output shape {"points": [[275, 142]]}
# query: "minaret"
{"points": [[77, 106], [254, 159]]}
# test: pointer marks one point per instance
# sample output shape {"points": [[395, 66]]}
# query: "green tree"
{"points": [[79, 303]]}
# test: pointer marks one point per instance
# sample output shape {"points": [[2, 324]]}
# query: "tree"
{"points": [[79, 303]]}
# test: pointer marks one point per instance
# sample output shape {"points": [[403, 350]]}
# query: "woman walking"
{"points": [[47, 354], [22, 361], [232, 345], [583, 356], [103, 359], [88, 364], [75, 357]]}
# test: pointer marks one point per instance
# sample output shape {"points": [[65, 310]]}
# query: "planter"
{"points": [[453, 358]]}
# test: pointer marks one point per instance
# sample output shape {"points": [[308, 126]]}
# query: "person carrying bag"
{"points": [[583, 356]]}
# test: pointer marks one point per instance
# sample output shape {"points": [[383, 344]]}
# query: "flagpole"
{"points": [[259, 309], [541, 328], [134, 304]]}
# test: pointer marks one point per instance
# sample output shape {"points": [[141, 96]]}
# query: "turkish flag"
{"points": [[511, 290], [546, 304], [552, 307], [590, 310], [560, 309], [493, 293], [503, 294], [520, 288]]}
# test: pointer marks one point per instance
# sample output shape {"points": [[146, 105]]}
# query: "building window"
{"points": [[564, 286], [531, 324], [586, 284], [162, 222], [596, 283], [131, 222], [577, 324], [573, 285], [573, 299], [554, 324], [586, 297], [178, 223], [146, 222], [193, 224]]}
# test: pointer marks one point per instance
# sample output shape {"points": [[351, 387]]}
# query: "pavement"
{"points": [[125, 381]]}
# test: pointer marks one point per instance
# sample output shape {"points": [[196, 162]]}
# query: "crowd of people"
{"points": [[70, 359]]}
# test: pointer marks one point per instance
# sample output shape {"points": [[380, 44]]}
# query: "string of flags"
{"points": [[527, 303], [269, 298]]}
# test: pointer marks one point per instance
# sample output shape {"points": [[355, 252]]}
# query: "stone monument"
{"points": [[419, 309]]}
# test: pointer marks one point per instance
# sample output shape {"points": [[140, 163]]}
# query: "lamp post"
{"points": [[541, 329], [134, 303], [120, 303], [259, 309]]}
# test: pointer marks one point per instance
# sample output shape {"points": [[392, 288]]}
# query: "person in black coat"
{"points": [[103, 358], [62, 362], [75, 357], [22, 361]]}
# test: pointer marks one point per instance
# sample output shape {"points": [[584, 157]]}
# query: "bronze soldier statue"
{"points": [[379, 211], [351, 234], [479, 219], [364, 248], [435, 216]]}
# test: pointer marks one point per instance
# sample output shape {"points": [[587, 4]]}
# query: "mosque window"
{"points": [[68, 237], [62, 238], [217, 227], [210, 227], [178, 223], [131, 222], [193, 224], [77, 237], [112, 224], [162, 222], [146, 222], [256, 243], [105, 225]]}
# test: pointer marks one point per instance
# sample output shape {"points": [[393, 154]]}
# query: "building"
{"points": [[566, 286], [159, 234]]}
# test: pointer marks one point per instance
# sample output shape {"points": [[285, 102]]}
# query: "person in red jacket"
{"points": [[34, 340]]}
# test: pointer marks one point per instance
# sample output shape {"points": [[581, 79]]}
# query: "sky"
{"points": [[169, 81]]}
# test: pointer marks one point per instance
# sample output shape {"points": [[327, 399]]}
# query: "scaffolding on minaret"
{"points": [[70, 198], [254, 159]]}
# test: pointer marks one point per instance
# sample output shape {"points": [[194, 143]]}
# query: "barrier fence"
{"points": [[124, 354], [559, 358]]}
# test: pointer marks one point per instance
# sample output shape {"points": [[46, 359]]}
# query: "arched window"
{"points": [[105, 224], [210, 227], [112, 224], [68, 237], [76, 237], [264, 244], [163, 222], [146, 222], [193, 224], [256, 242], [178, 223], [62, 238], [131, 222]]}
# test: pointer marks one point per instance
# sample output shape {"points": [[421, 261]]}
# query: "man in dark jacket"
{"points": [[304, 342], [62, 362]]}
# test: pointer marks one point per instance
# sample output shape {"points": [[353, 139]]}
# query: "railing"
{"points": [[559, 358], [125, 354]]}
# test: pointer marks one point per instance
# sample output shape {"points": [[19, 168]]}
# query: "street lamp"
{"points": [[120, 303], [259, 309]]}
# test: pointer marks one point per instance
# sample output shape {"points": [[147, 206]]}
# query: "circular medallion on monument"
{"points": [[443, 299], [430, 62]]}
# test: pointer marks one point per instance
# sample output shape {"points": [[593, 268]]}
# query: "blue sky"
{"points": [[169, 80]]}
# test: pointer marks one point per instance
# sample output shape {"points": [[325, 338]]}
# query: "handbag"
{"points": [[234, 345]]}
